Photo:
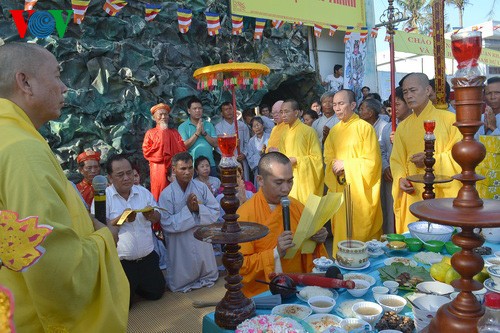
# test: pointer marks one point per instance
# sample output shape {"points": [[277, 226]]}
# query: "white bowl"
{"points": [[321, 304], [392, 285], [368, 311], [494, 271], [427, 308], [350, 324], [478, 293], [360, 276], [491, 261], [436, 231], [379, 291], [435, 287], [360, 289], [321, 321], [323, 263], [295, 310], [392, 302], [492, 234]]}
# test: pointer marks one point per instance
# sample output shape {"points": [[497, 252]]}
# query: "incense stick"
{"points": [[348, 211]]}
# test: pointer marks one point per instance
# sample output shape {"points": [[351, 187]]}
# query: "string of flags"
{"points": [[185, 17]]}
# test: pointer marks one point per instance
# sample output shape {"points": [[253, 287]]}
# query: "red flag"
{"points": [[317, 30]]}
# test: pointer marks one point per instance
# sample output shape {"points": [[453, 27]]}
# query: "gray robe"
{"points": [[191, 263]]}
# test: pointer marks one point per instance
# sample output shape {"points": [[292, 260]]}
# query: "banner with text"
{"points": [[322, 12], [420, 44]]}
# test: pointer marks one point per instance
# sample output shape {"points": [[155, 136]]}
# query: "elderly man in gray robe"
{"points": [[189, 204]]}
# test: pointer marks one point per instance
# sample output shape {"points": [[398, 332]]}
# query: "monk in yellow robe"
{"points": [[352, 156], [265, 255], [407, 156], [276, 136], [79, 284], [301, 145]]}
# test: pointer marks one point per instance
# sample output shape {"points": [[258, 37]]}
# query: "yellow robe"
{"points": [[355, 143], [258, 255], [276, 136], [78, 285], [301, 142], [409, 140]]}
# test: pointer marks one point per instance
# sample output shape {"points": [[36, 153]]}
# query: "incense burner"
{"points": [[352, 253]]}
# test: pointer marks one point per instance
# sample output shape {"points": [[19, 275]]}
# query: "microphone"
{"points": [[99, 183], [285, 207]]}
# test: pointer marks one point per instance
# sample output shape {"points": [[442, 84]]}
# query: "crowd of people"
{"points": [[283, 151]]}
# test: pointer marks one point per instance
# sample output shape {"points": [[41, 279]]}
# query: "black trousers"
{"points": [[145, 277]]}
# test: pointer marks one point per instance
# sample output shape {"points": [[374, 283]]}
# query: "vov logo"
{"points": [[41, 24]]}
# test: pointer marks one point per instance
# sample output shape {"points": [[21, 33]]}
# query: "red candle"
{"points": [[429, 126], [227, 144]]}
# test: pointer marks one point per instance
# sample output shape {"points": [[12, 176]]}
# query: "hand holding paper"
{"points": [[317, 211], [127, 212]]}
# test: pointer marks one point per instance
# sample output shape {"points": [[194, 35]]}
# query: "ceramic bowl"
{"points": [[435, 288], [395, 237], [360, 289], [392, 285], [379, 291], [494, 271], [350, 324], [391, 302], [478, 293], [368, 311], [414, 244], [452, 248], [321, 304], [491, 261], [492, 234], [321, 321], [434, 246], [427, 308], [421, 230], [360, 276], [323, 263]]}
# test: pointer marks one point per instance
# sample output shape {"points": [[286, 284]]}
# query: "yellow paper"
{"points": [[127, 212], [317, 211]]}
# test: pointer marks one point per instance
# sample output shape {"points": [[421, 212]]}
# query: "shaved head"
{"points": [[15, 58], [422, 79], [269, 158]]}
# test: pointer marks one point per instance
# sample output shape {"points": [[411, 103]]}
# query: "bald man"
{"points": [[265, 255], [279, 130], [78, 285], [408, 155]]}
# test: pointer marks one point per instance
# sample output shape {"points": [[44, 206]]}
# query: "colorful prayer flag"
{"points": [[29, 4], [431, 32], [374, 32], [333, 28], [347, 35], [213, 23], [259, 28], [410, 29], [456, 29], [277, 24], [363, 34], [496, 27], [152, 9], [477, 27], [113, 7], [184, 18], [237, 24], [297, 24], [387, 37], [79, 9], [317, 30]]}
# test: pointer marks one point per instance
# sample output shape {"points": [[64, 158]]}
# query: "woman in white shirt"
{"points": [[257, 145]]}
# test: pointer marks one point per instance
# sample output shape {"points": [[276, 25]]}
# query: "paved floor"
{"points": [[174, 313]]}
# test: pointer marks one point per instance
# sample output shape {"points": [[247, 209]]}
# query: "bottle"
{"points": [[490, 322]]}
